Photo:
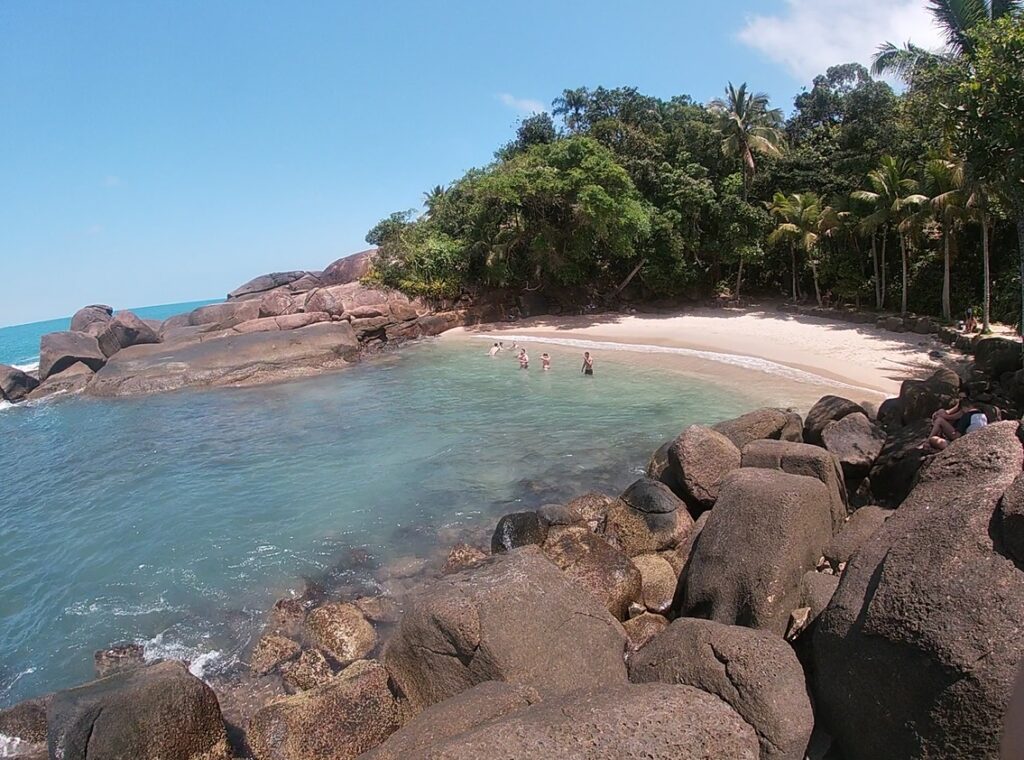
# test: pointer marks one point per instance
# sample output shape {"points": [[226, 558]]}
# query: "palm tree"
{"points": [[748, 127], [799, 215], [956, 18], [433, 197], [944, 184], [571, 106], [839, 222]]}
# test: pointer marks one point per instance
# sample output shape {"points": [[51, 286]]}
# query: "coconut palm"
{"points": [[433, 197], [748, 127], [570, 106], [840, 224], [944, 186], [799, 215]]}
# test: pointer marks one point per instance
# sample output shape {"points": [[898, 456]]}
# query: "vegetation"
{"points": [[619, 192]]}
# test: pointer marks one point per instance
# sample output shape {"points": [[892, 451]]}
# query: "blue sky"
{"points": [[154, 152]]}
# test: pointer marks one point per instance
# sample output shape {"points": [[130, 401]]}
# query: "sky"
{"points": [[169, 150]]}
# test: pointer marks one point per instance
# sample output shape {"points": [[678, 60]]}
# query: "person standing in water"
{"points": [[588, 364], [524, 360], [545, 361], [494, 350]]}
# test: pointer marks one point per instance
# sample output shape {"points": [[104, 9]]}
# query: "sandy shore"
{"points": [[858, 355]]}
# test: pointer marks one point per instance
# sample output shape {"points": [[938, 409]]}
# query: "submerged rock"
{"points": [[117, 658]]}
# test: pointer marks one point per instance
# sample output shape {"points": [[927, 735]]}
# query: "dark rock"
{"points": [[514, 617], [893, 324], [827, 409], [856, 442], [342, 631], [151, 713], [652, 721], [921, 398], [88, 315], [816, 590], [861, 526], [917, 652], [518, 529], [699, 459], [351, 268], [648, 518], [349, 715], [463, 712], [59, 350], [759, 424], [890, 415], [1011, 519], [658, 468], [679, 557], [265, 282], [755, 672], [895, 470], [532, 304], [559, 514], [124, 330], [767, 529], [72, 380], [643, 628], [15, 385], [117, 658], [997, 356]]}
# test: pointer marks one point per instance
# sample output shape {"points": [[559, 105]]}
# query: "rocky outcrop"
{"points": [[855, 442], [220, 316], [917, 651], [515, 617], [518, 529], [698, 461], [118, 658], [15, 385], [920, 398], [284, 322], [755, 672], [351, 268], [25, 723], [340, 720], [827, 409], [647, 518], [59, 350], [760, 424], [895, 470], [124, 330], [257, 286], [309, 670], [654, 721], [151, 713], [72, 380], [767, 529], [341, 631], [997, 356], [89, 315], [272, 651]]}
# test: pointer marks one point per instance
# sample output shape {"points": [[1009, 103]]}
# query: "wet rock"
{"points": [[761, 424], [755, 672], [309, 671], [515, 617], [647, 518], [767, 529], [559, 514], [699, 459], [896, 468], [379, 609], [643, 628], [997, 356], [272, 651], [25, 721], [827, 409], [341, 631], [930, 608], [658, 581], [593, 507], [59, 350], [856, 442], [117, 658], [453, 717], [403, 567], [340, 720], [919, 399], [859, 529], [518, 529], [287, 618], [462, 556], [595, 566], [151, 713], [15, 385], [88, 315], [72, 380]]}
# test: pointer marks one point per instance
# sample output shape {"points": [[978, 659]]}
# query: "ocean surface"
{"points": [[176, 520]]}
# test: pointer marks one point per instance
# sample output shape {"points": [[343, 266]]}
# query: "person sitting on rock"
{"points": [[950, 424]]}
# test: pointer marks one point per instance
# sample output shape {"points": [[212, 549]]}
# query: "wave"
{"points": [[201, 662], [736, 360], [28, 367], [5, 405], [118, 609], [10, 746]]}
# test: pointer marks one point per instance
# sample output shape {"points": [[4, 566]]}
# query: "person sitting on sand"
{"points": [[524, 360], [588, 364], [494, 350], [545, 361]]}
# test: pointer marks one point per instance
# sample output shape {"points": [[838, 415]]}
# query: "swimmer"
{"points": [[494, 349], [588, 364], [524, 360], [545, 361]]}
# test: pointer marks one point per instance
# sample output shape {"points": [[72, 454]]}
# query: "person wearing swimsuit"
{"points": [[545, 361], [524, 360], [588, 364]]}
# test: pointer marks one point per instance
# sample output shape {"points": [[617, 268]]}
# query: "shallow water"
{"points": [[176, 520]]}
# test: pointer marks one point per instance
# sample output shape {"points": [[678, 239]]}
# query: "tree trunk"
{"points": [[903, 256], [885, 239], [817, 290], [792, 258], [986, 305], [629, 279], [874, 260], [946, 312], [739, 278]]}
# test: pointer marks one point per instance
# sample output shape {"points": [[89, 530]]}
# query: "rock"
{"points": [[25, 721], [652, 721], [595, 566], [827, 409], [72, 380], [679, 557], [658, 468], [341, 631], [272, 651], [861, 526], [462, 713], [230, 360], [514, 617], [593, 507], [220, 316], [997, 356], [276, 303], [856, 442], [286, 322], [340, 720], [88, 315], [916, 654], [117, 658], [309, 671], [1011, 519], [462, 556], [559, 514], [919, 399], [767, 529], [816, 590], [895, 470], [754, 672], [647, 518], [351, 268], [643, 628], [803, 459], [518, 529], [890, 415], [760, 424], [658, 581], [15, 385], [378, 609], [152, 713], [265, 282], [59, 350], [123, 331], [699, 459]]}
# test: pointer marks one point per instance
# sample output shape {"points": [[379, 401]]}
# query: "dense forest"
{"points": [[908, 200]]}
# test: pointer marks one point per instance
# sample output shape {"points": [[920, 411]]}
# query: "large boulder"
{"points": [[220, 316], [462, 713], [858, 530], [351, 268], [24, 726], [896, 467], [285, 322], [89, 315], [919, 399], [755, 672], [997, 356], [827, 409], [518, 529], [699, 459], [917, 652], [762, 423], [855, 441], [15, 385], [1011, 520], [803, 459], [124, 330], [258, 285], [342, 631], [152, 713], [59, 350], [643, 628], [653, 721], [276, 303], [647, 518], [658, 582], [767, 529], [659, 468], [352, 713], [71, 380], [515, 617], [596, 566]]}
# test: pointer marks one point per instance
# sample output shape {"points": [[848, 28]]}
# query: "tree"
{"points": [[944, 187], [799, 215], [747, 127], [433, 198], [570, 106]]}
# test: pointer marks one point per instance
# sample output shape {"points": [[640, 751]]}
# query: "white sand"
{"points": [[858, 355]]}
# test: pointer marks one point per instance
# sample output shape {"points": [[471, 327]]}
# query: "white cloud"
{"points": [[808, 36], [522, 105]]}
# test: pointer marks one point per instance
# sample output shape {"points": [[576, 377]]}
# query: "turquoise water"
{"points": [[19, 344], [176, 520]]}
